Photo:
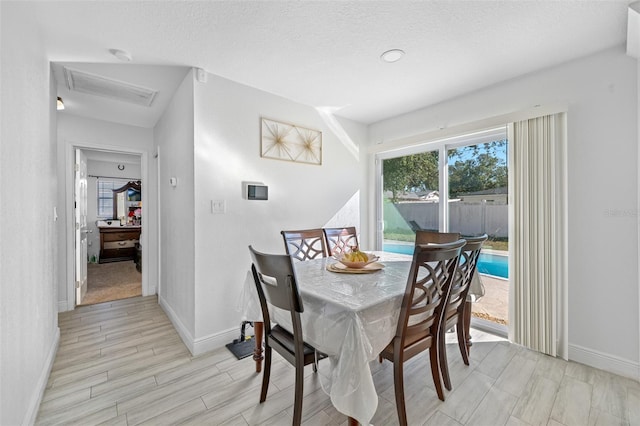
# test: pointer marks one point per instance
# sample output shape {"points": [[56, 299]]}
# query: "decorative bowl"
{"points": [[357, 265]]}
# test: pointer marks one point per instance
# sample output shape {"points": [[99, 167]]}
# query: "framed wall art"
{"points": [[283, 141]]}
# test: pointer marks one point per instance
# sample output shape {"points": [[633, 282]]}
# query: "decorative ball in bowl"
{"points": [[356, 259]]}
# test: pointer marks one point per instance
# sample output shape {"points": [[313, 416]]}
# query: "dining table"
{"points": [[348, 315]]}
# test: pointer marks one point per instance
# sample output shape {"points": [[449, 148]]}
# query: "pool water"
{"points": [[489, 263]]}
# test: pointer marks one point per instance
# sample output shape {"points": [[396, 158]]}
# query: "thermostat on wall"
{"points": [[256, 191]]}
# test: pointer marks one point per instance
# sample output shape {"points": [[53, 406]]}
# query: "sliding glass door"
{"points": [[454, 185]]}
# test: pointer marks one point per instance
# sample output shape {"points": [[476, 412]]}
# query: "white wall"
{"points": [[93, 134], [95, 168], [28, 263], [174, 137], [601, 97], [227, 152]]}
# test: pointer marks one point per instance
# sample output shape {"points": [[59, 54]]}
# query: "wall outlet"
{"points": [[218, 206]]}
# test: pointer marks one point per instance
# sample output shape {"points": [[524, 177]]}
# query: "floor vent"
{"points": [[92, 84]]}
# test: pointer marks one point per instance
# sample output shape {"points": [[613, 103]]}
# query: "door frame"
{"points": [[69, 237], [80, 224]]}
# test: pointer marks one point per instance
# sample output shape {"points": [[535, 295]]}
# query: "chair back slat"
{"points": [[305, 244], [432, 271], [276, 280], [462, 282], [340, 240]]}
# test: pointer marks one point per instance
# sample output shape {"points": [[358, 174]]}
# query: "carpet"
{"points": [[112, 281]]}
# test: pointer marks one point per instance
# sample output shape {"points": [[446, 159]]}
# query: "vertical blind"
{"points": [[537, 308]]}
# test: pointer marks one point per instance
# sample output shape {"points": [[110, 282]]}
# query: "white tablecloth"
{"points": [[351, 318]]}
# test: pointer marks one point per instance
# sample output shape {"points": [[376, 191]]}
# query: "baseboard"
{"points": [[184, 334], [489, 327], [215, 341], [62, 306], [606, 362], [202, 344], [32, 412]]}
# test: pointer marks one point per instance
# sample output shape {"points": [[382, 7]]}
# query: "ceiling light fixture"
{"points": [[59, 104], [392, 55], [121, 54]]}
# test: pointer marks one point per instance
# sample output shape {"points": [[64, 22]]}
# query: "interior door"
{"points": [[80, 197]]}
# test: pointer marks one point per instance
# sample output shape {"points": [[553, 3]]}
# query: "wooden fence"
{"points": [[466, 218]]}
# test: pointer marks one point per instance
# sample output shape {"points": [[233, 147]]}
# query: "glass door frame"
{"points": [[442, 146]]}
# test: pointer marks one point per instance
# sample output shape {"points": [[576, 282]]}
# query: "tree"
{"points": [[417, 172], [471, 168], [480, 167]]}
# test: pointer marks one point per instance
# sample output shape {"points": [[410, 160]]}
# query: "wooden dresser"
{"points": [[118, 243]]}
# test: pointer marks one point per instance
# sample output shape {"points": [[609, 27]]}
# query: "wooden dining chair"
{"points": [[457, 308], [432, 271], [340, 240], [424, 237], [275, 281], [305, 244]]}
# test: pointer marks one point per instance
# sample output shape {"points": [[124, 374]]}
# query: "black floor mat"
{"points": [[242, 349]]}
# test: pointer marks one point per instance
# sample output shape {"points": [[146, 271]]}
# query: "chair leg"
{"points": [[299, 390], [435, 371], [462, 340], [398, 381], [444, 365], [266, 373], [467, 325]]}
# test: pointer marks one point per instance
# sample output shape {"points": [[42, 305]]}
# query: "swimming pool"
{"points": [[489, 263]]}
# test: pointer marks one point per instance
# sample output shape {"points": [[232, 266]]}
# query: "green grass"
{"points": [[411, 237], [496, 245]]}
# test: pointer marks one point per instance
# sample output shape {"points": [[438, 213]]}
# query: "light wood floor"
{"points": [[122, 363]]}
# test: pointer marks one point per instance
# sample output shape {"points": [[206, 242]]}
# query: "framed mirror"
{"points": [[127, 201]]}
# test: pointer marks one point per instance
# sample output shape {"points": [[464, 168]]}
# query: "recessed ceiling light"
{"points": [[392, 55], [121, 54]]}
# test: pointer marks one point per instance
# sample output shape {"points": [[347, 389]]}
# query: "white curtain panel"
{"points": [[537, 236]]}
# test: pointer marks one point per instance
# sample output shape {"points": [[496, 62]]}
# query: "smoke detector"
{"points": [[121, 55]]}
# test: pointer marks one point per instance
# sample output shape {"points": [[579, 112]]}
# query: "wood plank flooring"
{"points": [[122, 363]]}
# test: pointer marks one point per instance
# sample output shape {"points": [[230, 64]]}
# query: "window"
{"points": [[105, 196]]}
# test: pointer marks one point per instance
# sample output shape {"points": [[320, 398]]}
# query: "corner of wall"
{"points": [[183, 332], [34, 404]]}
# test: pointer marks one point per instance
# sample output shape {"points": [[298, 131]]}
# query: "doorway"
{"points": [[112, 254]]}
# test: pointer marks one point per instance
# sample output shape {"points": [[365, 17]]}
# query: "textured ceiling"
{"points": [[328, 53]]}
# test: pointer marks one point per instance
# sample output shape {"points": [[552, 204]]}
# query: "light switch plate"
{"points": [[218, 206]]}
